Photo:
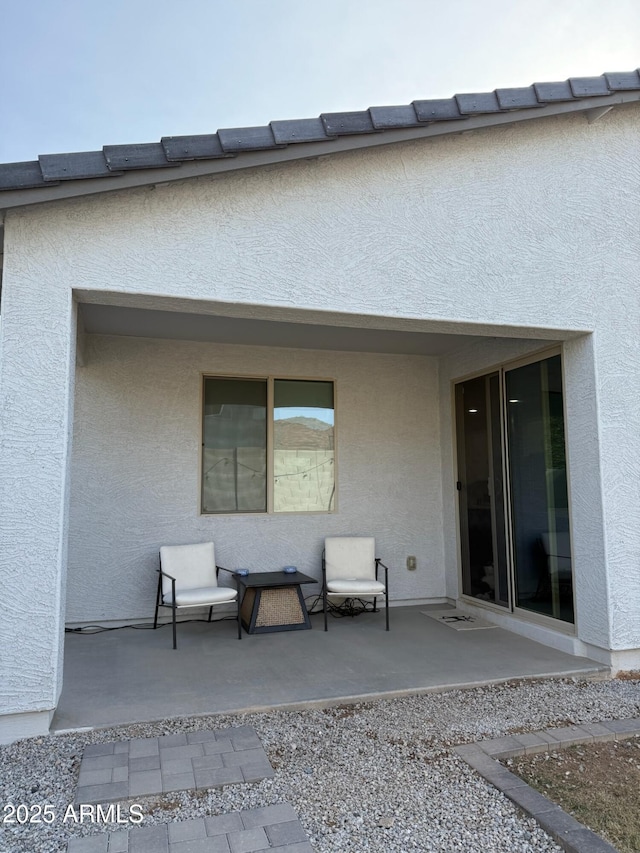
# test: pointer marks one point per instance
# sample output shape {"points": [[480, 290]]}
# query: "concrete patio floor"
{"points": [[129, 676]]}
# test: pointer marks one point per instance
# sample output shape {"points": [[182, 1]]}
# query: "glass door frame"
{"points": [[497, 517], [512, 609]]}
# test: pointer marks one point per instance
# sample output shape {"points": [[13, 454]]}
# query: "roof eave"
{"points": [[593, 106]]}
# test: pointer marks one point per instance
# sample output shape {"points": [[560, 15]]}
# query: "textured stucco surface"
{"points": [[532, 226], [136, 455], [527, 225], [36, 413]]}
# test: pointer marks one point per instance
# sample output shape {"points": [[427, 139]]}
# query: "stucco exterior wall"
{"points": [[38, 355], [530, 226], [135, 475]]}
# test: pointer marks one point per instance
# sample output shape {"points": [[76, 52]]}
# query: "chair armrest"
{"points": [[173, 586], [222, 569], [166, 575], [386, 569]]}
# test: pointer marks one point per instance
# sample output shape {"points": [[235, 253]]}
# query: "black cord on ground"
{"points": [[98, 629], [349, 607], [315, 600]]}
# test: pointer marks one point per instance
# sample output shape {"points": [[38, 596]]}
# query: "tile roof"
{"points": [[172, 151]]}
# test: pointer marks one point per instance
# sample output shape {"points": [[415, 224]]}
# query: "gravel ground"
{"points": [[375, 776]]}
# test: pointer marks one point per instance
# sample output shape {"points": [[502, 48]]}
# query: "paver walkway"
{"points": [[249, 831], [178, 762]]}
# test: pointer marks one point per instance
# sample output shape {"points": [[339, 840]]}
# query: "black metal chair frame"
{"points": [[352, 611], [174, 607]]}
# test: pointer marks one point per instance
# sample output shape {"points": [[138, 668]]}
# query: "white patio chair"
{"points": [[350, 571], [188, 577]]}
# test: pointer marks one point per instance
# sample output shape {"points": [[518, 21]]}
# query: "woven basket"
{"points": [[279, 607]]}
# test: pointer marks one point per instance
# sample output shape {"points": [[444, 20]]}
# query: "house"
{"points": [[416, 322]]}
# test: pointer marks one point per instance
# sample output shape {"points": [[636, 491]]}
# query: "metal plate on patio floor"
{"points": [[458, 620]]}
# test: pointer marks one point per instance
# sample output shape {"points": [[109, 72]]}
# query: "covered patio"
{"points": [[128, 676]]}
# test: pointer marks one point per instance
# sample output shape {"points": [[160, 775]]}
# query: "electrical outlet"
{"points": [[411, 564]]}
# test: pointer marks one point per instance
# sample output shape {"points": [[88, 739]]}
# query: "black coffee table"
{"points": [[273, 601]]}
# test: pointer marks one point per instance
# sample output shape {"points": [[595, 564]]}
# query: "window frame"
{"points": [[270, 380]]}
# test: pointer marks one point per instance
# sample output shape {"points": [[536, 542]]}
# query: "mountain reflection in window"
{"points": [[303, 446], [236, 466]]}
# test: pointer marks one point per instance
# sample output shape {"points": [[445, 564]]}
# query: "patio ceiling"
{"points": [[100, 319]]}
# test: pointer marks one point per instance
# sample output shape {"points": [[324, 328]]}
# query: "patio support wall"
{"points": [[36, 381], [617, 359], [585, 464]]}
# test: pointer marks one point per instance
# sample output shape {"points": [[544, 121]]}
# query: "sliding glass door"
{"points": [[480, 487], [512, 487], [543, 581]]}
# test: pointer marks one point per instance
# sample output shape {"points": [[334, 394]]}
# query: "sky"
{"points": [[79, 74]]}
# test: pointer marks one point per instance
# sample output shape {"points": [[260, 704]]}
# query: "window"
{"points": [[234, 446], [268, 445]]}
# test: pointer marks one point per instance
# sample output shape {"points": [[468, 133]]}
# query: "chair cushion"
{"points": [[354, 587], [350, 557], [202, 596], [193, 566]]}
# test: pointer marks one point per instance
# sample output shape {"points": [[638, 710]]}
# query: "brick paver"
{"points": [[572, 836], [249, 831], [178, 762]]}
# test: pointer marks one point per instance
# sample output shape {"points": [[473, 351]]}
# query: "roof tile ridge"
{"points": [[172, 151]]}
